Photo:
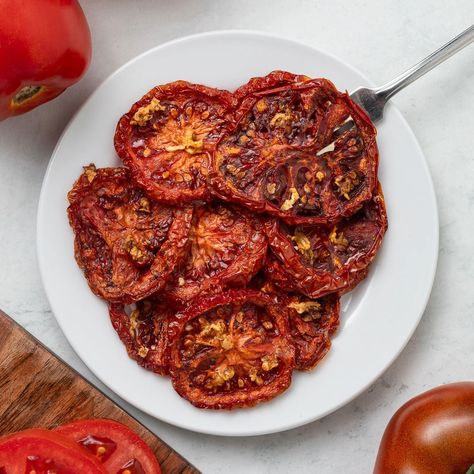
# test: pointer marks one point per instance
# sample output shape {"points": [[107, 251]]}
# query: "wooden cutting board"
{"points": [[37, 389]]}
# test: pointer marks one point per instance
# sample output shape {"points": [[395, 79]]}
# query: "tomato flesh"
{"points": [[102, 448], [124, 449], [42, 451], [132, 467], [226, 247]]}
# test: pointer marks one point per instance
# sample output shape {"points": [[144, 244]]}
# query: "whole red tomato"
{"points": [[431, 433], [45, 47]]}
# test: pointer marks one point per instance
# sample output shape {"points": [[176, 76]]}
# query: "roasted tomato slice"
{"points": [[231, 350], [144, 332], [127, 244], [318, 260], [43, 452], [226, 247], [117, 447], [299, 150], [312, 322], [167, 137]]}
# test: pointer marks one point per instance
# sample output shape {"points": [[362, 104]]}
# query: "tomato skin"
{"points": [[19, 450], [432, 432], [129, 446], [43, 43]]}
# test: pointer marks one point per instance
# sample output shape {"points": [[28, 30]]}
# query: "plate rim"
{"points": [[435, 238]]}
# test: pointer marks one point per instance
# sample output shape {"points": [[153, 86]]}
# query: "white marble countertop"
{"points": [[381, 38]]}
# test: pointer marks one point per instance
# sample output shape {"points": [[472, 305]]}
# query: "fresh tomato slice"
{"points": [[168, 136], [144, 332], [127, 244], [45, 452], [226, 247], [231, 350], [299, 150], [118, 448], [318, 260]]}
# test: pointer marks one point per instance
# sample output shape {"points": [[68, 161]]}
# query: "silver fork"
{"points": [[373, 100]]}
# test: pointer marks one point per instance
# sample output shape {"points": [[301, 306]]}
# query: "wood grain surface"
{"points": [[37, 389]]}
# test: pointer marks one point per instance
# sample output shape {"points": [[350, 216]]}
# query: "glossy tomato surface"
{"points": [[231, 350], [299, 150], [45, 47], [44, 452], [226, 247], [168, 136], [127, 244], [119, 449], [431, 433], [318, 260]]}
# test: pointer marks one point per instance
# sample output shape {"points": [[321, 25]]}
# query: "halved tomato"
{"points": [[167, 137], [226, 247], [44, 452], [300, 150], [231, 350], [318, 260], [127, 244], [144, 332], [118, 448]]}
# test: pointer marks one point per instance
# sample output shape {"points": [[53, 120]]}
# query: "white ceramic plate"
{"points": [[378, 317]]}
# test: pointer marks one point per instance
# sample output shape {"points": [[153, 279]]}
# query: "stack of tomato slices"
{"points": [[96, 446], [224, 243]]}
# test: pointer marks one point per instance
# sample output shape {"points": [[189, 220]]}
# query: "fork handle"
{"points": [[456, 44]]}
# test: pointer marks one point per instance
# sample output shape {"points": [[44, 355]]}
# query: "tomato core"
{"points": [[25, 94]]}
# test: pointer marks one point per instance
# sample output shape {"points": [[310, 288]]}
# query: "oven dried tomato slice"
{"points": [[168, 135], [144, 332], [226, 247], [299, 150], [312, 322], [318, 260], [231, 350], [127, 244]]}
